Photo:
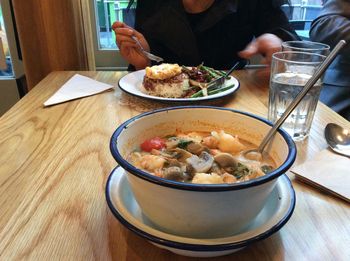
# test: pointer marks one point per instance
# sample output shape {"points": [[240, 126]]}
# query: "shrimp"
{"points": [[228, 178], [152, 162], [214, 152], [135, 158], [228, 143], [204, 178], [211, 142]]}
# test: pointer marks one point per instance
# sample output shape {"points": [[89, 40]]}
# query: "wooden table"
{"points": [[54, 163]]}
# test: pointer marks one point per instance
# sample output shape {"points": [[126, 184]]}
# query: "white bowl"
{"points": [[198, 210]]}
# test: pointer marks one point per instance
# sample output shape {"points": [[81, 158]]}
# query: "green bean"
{"points": [[209, 70], [197, 94], [185, 68], [215, 91], [222, 89], [224, 73], [214, 72], [219, 72]]}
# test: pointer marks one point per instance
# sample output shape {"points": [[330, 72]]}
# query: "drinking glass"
{"points": [[289, 73], [306, 46]]}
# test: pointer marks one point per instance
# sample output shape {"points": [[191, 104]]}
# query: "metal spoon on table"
{"points": [[254, 153], [338, 139]]}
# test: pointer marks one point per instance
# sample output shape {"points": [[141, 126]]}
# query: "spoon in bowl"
{"points": [[338, 139], [258, 153]]}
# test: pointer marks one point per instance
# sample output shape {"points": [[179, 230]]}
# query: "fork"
{"points": [[147, 54], [218, 82]]}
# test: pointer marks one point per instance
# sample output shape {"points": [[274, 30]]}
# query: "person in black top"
{"points": [[331, 26], [215, 32]]}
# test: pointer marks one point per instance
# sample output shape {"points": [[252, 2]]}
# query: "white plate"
{"points": [[131, 84], [274, 215]]}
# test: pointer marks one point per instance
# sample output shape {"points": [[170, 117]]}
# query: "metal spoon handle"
{"points": [[310, 83]]}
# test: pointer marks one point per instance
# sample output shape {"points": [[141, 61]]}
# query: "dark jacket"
{"points": [[226, 28], [332, 25]]}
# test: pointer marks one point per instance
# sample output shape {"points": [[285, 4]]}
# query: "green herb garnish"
{"points": [[241, 171], [184, 143]]}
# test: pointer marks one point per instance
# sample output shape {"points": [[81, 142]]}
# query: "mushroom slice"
{"points": [[198, 84], [225, 160], [202, 163], [174, 173], [195, 148], [173, 163], [190, 170], [168, 154], [182, 155], [215, 168]]}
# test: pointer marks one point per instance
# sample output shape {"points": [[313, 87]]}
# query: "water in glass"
{"points": [[284, 87]]}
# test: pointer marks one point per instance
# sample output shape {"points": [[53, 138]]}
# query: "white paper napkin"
{"points": [[328, 171], [77, 87]]}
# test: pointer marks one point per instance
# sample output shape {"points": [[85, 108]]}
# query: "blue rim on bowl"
{"points": [[200, 247], [200, 187]]}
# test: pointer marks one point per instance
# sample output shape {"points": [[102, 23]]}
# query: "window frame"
{"points": [[105, 59]]}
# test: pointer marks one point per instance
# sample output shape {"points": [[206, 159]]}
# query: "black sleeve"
{"points": [[333, 24], [271, 19], [144, 10]]}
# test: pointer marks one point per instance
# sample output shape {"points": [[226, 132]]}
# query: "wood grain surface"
{"points": [[54, 163]]}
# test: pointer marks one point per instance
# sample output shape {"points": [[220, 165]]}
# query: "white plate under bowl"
{"points": [[132, 82], [272, 217]]}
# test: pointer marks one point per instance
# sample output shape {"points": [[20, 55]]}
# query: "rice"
{"points": [[174, 87]]}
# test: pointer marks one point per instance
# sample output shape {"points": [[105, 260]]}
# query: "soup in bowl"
{"points": [[186, 169], [201, 157]]}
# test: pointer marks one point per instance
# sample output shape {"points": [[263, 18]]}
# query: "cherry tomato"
{"points": [[154, 143]]}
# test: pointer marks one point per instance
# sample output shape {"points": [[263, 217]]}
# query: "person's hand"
{"points": [[265, 44], [129, 49]]}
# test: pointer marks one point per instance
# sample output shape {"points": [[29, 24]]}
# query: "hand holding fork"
{"points": [[133, 46]]}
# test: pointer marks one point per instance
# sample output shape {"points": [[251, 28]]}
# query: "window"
{"points": [[5, 58], [105, 13], [301, 13], [108, 12]]}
